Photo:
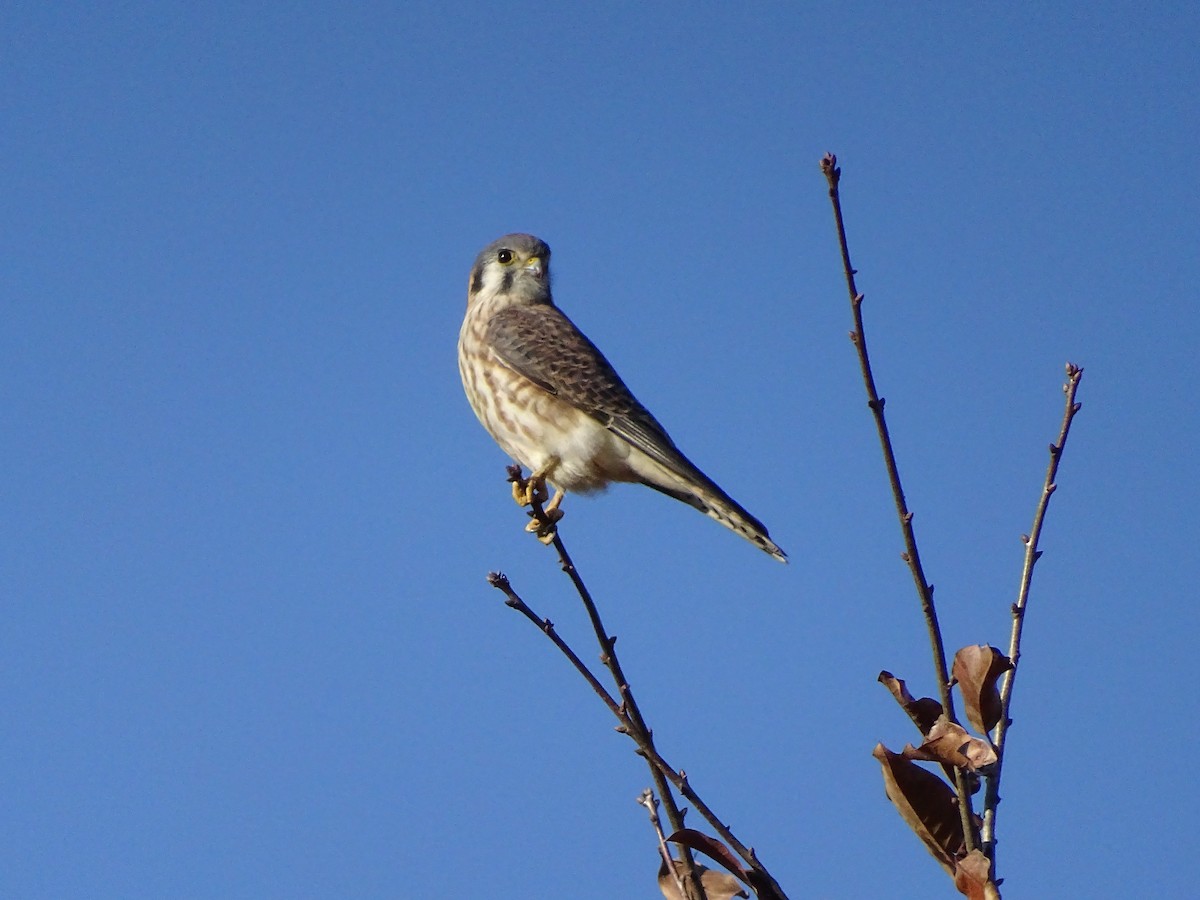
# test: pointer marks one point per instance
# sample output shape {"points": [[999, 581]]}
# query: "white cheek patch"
{"points": [[493, 278]]}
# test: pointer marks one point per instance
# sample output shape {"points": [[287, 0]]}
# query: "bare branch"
{"points": [[648, 800], [500, 581], [627, 711], [1032, 555], [911, 555]]}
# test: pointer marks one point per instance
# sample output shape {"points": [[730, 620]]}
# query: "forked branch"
{"points": [[925, 801], [629, 715]]}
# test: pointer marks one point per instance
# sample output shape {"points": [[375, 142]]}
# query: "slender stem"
{"points": [[911, 555], [631, 721], [500, 581], [1032, 554], [644, 736], [648, 800], [628, 713], [621, 710], [634, 721]]}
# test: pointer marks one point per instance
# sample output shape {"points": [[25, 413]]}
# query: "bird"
{"points": [[555, 404]]}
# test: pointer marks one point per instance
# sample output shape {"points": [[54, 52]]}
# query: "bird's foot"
{"points": [[526, 490], [531, 492], [545, 525]]}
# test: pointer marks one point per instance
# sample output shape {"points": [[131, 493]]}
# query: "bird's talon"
{"points": [[545, 528], [527, 490]]}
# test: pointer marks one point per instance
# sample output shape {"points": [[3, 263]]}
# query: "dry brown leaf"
{"points": [[950, 744], [717, 885], [977, 668], [710, 847], [923, 712], [926, 803], [973, 877]]}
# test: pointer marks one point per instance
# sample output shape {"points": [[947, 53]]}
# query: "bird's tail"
{"points": [[716, 504]]}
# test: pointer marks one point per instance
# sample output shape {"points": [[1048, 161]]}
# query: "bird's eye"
{"points": [[505, 257]]}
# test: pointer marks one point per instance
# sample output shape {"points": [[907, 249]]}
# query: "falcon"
{"points": [[553, 403]]}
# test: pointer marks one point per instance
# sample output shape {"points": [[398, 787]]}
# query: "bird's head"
{"points": [[514, 270]]}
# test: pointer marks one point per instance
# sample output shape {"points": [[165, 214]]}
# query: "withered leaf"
{"points": [[977, 668], [714, 849], [717, 885], [973, 877], [926, 803], [950, 744], [710, 847], [923, 712]]}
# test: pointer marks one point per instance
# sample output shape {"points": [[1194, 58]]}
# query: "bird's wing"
{"points": [[542, 344]]}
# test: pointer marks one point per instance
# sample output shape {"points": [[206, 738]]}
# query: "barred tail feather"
{"points": [[718, 505]]}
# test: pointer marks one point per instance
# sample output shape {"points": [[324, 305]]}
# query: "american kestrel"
{"points": [[555, 404]]}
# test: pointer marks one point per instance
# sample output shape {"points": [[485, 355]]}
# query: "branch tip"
{"points": [[911, 554], [830, 167], [1032, 555]]}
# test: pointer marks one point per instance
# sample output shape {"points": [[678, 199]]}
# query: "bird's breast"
{"points": [[537, 428]]}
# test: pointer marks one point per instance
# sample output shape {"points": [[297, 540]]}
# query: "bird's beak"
{"points": [[535, 267]]}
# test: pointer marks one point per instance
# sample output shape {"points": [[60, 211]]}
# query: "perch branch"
{"points": [[626, 725], [628, 713]]}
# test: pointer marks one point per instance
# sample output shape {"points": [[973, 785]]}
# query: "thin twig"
{"points": [[659, 769], [1032, 555], [631, 721], [911, 555], [644, 737], [648, 800], [500, 581], [662, 771], [628, 713], [634, 723]]}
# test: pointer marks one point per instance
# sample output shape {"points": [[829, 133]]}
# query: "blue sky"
{"points": [[248, 647]]}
